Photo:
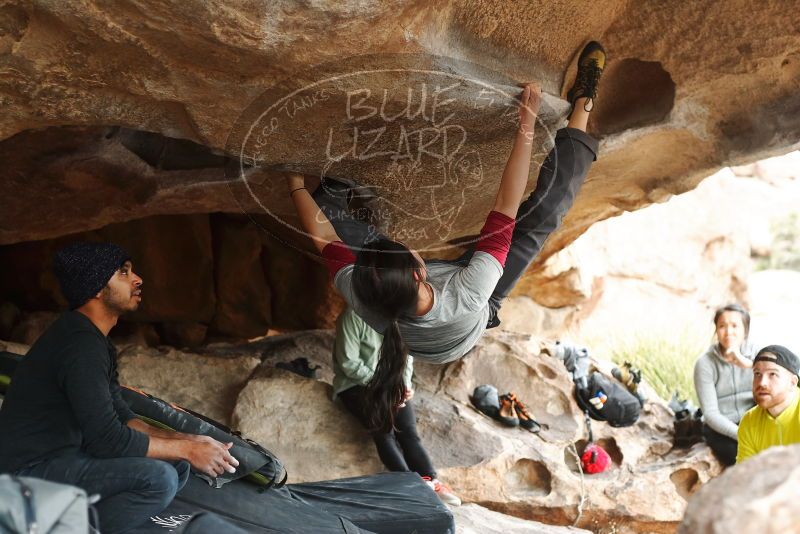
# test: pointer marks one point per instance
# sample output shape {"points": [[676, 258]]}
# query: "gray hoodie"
{"points": [[724, 390]]}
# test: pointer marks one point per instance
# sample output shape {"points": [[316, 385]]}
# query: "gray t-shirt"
{"points": [[459, 314]]}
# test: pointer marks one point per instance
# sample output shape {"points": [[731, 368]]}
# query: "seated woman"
{"points": [[355, 356], [723, 379]]}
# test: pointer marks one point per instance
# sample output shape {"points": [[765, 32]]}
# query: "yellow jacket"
{"points": [[758, 430]]}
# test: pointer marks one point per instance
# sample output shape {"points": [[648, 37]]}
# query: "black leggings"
{"points": [[399, 450]]}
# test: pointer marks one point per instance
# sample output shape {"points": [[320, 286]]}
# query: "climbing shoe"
{"points": [[591, 63], [299, 366], [443, 491], [525, 420], [631, 377], [486, 400], [507, 413]]}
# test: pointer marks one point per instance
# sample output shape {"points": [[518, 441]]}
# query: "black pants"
{"points": [[399, 450], [724, 447]]}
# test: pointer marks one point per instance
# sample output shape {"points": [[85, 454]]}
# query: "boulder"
{"points": [[16, 348], [185, 334], [31, 326], [294, 418], [474, 519], [205, 384], [759, 495], [316, 346]]}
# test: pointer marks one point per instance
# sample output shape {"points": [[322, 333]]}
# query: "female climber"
{"points": [[437, 311]]}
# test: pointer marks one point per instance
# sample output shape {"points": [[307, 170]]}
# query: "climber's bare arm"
{"points": [[515, 175], [313, 221]]}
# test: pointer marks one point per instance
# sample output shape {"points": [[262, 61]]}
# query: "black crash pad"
{"points": [[387, 503]]}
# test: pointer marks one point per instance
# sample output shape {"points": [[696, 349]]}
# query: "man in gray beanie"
{"points": [[64, 419]]}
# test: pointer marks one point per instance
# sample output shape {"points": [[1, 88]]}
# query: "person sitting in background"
{"points": [[355, 356], [63, 418], [776, 418], [723, 379]]}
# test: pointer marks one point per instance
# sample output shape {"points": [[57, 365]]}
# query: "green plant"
{"points": [[785, 250], [667, 363]]}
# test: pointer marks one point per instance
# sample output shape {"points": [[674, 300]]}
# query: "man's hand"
{"points": [[529, 104], [295, 181], [210, 456]]}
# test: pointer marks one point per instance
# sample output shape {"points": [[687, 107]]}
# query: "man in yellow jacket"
{"points": [[775, 420]]}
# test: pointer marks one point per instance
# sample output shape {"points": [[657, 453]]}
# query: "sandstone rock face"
{"points": [[671, 108], [295, 418], [205, 277], [759, 495], [243, 305], [204, 384]]}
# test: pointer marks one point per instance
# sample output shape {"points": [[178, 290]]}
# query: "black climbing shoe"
{"points": [[299, 366], [591, 63], [353, 189], [486, 400]]}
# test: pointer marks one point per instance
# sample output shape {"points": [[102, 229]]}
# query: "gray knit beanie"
{"points": [[84, 268]]}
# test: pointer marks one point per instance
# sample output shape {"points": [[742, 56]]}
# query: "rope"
{"points": [[574, 451]]}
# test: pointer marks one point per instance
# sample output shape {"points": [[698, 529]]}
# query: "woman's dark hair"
{"points": [[384, 281], [734, 308]]}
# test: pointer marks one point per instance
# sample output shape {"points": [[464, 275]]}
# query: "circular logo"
{"points": [[407, 146]]}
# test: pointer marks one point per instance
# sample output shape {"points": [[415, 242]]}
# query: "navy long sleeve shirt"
{"points": [[65, 397]]}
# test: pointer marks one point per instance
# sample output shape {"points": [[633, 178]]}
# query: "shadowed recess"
{"points": [[634, 93]]}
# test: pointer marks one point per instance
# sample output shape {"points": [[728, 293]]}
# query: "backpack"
{"points": [[613, 403], [34, 505]]}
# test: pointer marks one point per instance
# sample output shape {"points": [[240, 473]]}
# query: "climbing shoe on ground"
{"points": [[443, 491], [591, 63], [507, 413], [525, 420], [486, 400]]}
